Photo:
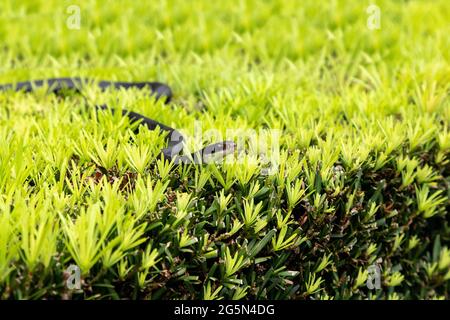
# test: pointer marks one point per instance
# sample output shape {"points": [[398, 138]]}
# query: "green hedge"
{"points": [[362, 181]]}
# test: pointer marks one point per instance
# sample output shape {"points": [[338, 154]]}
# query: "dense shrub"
{"points": [[362, 181]]}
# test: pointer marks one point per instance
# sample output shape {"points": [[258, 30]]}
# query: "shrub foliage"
{"points": [[363, 175]]}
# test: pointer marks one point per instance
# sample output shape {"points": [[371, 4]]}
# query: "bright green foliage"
{"points": [[363, 169]]}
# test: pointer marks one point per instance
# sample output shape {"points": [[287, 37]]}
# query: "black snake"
{"points": [[175, 140]]}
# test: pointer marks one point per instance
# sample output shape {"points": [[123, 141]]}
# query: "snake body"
{"points": [[175, 140]]}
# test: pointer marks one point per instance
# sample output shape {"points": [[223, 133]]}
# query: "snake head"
{"points": [[217, 151]]}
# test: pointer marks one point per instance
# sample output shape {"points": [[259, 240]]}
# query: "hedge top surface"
{"points": [[361, 186]]}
